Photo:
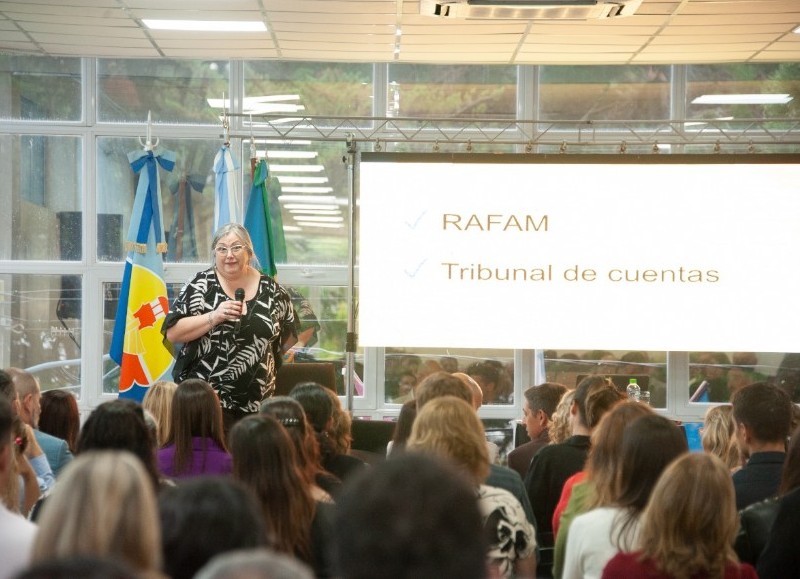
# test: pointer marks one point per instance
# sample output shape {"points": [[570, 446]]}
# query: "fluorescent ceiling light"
{"points": [[282, 142], [320, 206], [290, 154], [315, 224], [796, 30], [307, 189], [320, 219], [315, 212], [292, 228], [297, 168], [742, 99], [307, 199], [207, 25], [304, 180]]}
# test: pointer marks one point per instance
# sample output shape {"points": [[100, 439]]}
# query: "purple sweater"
{"points": [[215, 461]]}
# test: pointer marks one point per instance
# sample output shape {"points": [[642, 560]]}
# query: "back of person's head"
{"points": [[7, 389], [560, 427], [196, 412], [119, 425], [158, 401], [341, 430], [605, 455], [206, 516], [545, 397], [254, 564], [448, 427], [595, 396], [765, 410], [102, 505], [316, 404], [441, 384], [60, 416], [6, 426], [408, 517], [291, 415], [402, 428], [790, 479], [492, 377], [719, 435], [690, 522], [477, 393], [83, 566]]}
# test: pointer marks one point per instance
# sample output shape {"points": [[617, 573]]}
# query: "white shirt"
{"points": [[16, 542], [592, 541]]}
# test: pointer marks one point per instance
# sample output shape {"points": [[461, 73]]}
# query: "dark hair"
{"points": [[408, 517], [402, 429], [493, 372], [441, 384], [545, 397], [196, 412], [790, 479], [119, 425], [7, 389], [264, 459], [315, 402], [595, 395], [649, 444], [765, 410], [6, 421], [84, 566], [203, 517], [60, 416]]}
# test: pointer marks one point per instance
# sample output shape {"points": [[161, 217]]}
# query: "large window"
{"points": [[40, 89]]}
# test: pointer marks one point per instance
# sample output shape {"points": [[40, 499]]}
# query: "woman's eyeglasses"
{"points": [[234, 249]]}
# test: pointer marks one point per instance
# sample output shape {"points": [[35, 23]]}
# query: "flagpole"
{"points": [[352, 338]]}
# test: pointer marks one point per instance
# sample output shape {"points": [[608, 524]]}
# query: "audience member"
{"points": [[30, 395], [196, 443], [649, 444], [763, 414], [449, 428], [477, 402], [319, 409], [555, 463], [103, 505], [158, 401], [290, 414], [254, 564], [341, 431], [495, 383], [781, 555], [16, 534], [60, 417], [719, 436], [264, 459], [410, 517], [560, 429], [402, 428], [203, 517], [406, 383], [83, 566], [688, 526], [119, 425], [540, 403]]}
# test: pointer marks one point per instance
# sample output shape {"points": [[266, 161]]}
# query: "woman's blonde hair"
{"points": [[560, 427], [718, 436], [103, 505], [158, 401], [690, 522], [449, 427]]}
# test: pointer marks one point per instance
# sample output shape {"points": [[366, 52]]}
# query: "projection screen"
{"points": [[659, 252]]}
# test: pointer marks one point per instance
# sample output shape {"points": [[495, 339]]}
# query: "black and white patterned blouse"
{"points": [[508, 533], [239, 365]]}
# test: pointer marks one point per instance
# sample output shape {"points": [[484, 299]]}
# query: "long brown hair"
{"points": [[60, 417], [196, 412], [264, 459]]}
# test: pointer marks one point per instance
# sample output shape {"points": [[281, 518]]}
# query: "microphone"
{"points": [[239, 295]]}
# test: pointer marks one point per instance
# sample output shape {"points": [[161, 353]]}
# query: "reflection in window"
{"points": [[40, 88], [614, 93], [649, 368], [716, 376], [176, 91], [42, 327]]}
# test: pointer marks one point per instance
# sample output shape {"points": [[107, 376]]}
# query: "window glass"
{"points": [[492, 369], [569, 367], [40, 88], [463, 92], [42, 198], [41, 329], [716, 376], [613, 93], [175, 91], [307, 88], [730, 92]]}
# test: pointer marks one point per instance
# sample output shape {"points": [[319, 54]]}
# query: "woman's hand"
{"points": [[228, 311]]}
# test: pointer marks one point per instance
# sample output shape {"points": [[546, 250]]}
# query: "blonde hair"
{"points": [[103, 505], [559, 427], [158, 401], [449, 427], [340, 432], [690, 523], [718, 436]]}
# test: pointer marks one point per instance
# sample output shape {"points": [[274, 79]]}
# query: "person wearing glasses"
{"points": [[233, 343]]}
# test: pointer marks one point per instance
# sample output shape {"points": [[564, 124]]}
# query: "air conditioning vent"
{"points": [[529, 9]]}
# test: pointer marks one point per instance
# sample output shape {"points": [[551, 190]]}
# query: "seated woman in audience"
{"points": [[599, 478], [688, 526], [290, 414], [195, 444], [719, 436], [60, 417], [449, 427], [402, 428], [103, 505], [649, 444], [158, 401], [560, 428], [264, 459]]}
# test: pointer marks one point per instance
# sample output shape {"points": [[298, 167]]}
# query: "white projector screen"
{"points": [[682, 253]]}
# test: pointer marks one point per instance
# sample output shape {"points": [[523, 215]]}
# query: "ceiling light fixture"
{"points": [[742, 99], [206, 25], [312, 189], [301, 180], [307, 199]]}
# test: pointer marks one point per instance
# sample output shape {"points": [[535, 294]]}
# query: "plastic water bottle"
{"points": [[633, 390]]}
